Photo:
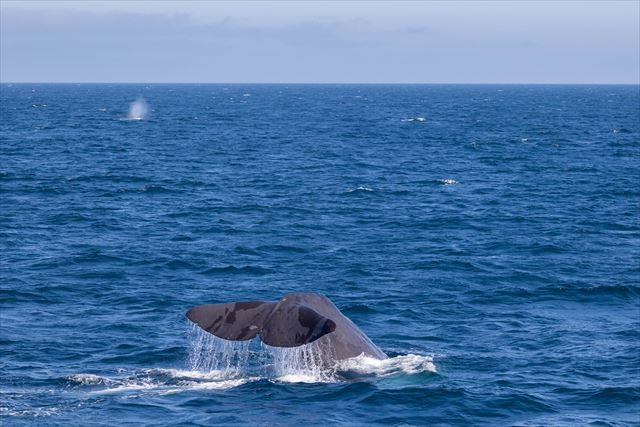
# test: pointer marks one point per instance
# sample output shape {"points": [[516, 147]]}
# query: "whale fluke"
{"points": [[236, 321], [297, 319], [308, 326], [240, 321]]}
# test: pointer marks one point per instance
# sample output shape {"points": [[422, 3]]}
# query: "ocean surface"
{"points": [[487, 238]]}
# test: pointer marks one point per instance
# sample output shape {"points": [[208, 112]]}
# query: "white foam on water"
{"points": [[415, 119], [212, 385], [315, 363], [196, 375], [124, 388], [32, 412], [87, 379], [215, 359], [300, 378], [160, 381], [117, 384], [218, 364], [360, 188], [182, 380], [448, 181], [409, 364]]}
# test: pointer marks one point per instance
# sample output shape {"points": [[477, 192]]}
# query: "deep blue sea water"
{"points": [[487, 238]]}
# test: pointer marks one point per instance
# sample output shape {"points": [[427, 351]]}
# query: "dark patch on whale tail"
{"points": [[286, 323], [291, 325], [237, 321]]}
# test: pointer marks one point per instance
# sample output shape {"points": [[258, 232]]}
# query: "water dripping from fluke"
{"points": [[209, 353], [309, 363]]}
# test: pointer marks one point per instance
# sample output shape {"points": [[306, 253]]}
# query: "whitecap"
{"points": [[360, 188], [448, 181], [35, 412], [87, 379], [415, 119]]}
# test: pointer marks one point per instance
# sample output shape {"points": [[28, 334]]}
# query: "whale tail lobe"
{"points": [[286, 323]]}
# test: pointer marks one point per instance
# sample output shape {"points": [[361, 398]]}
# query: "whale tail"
{"points": [[286, 323]]}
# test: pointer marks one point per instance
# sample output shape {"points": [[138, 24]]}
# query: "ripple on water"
{"points": [[233, 270], [513, 262]]}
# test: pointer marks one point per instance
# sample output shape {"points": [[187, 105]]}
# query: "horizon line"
{"points": [[334, 83]]}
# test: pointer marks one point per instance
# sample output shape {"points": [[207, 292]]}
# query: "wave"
{"points": [[281, 248], [231, 269], [305, 364], [107, 178], [151, 188], [432, 182], [604, 294], [87, 379], [310, 363], [361, 189], [177, 264], [40, 412], [157, 381], [409, 364], [415, 120], [597, 293], [182, 238], [448, 181], [359, 309], [621, 130], [219, 365]]}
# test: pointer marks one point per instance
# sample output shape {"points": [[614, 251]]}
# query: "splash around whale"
{"points": [[295, 320]]}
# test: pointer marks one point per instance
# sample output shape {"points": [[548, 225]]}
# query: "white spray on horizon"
{"points": [[138, 110]]}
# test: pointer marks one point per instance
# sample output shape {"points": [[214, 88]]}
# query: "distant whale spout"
{"points": [[295, 320], [138, 110]]}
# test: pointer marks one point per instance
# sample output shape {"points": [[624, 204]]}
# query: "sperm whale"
{"points": [[296, 319]]}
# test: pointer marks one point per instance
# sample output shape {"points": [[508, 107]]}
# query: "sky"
{"points": [[320, 41]]}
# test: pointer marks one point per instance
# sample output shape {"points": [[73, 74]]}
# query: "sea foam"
{"points": [[310, 363]]}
